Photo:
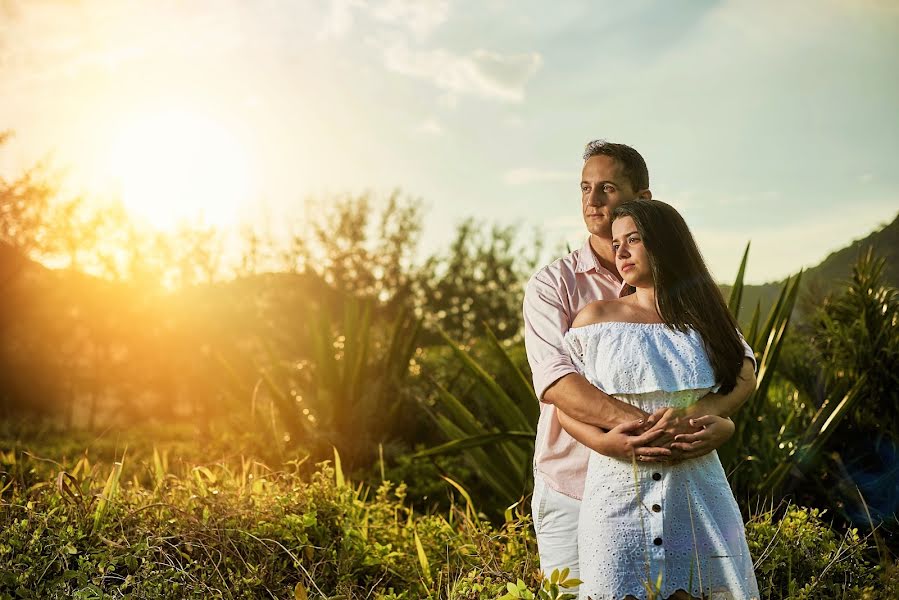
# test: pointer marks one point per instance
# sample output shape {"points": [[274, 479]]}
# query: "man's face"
{"points": [[603, 188]]}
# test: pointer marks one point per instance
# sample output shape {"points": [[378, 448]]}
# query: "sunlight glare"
{"points": [[175, 166]]}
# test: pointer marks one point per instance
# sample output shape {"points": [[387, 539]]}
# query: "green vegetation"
{"points": [[332, 418], [148, 526]]}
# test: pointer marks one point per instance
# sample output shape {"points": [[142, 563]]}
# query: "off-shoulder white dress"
{"points": [[677, 524]]}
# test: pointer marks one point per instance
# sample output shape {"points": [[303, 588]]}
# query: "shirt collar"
{"points": [[586, 259]]}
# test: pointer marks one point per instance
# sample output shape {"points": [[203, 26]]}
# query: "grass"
{"points": [[153, 524]]}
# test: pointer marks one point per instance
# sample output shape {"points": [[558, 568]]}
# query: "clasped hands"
{"points": [[667, 435]]}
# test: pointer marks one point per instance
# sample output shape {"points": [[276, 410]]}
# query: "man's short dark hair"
{"points": [[632, 164]]}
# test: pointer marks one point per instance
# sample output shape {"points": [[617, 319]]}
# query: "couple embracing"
{"points": [[638, 364]]}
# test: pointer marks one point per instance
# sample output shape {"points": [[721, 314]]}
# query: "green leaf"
{"points": [[736, 292], [422, 557], [299, 592]]}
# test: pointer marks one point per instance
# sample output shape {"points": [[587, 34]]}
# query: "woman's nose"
{"points": [[622, 252]]}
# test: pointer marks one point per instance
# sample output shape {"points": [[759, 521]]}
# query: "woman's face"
{"points": [[631, 257]]}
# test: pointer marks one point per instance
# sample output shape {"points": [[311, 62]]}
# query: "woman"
{"points": [[672, 528]]}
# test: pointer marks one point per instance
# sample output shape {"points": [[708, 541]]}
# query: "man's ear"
{"points": [[645, 195]]}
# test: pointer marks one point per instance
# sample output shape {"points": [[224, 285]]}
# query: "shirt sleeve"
{"points": [[546, 319], [748, 352]]}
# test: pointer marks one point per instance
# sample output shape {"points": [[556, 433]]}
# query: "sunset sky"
{"points": [[775, 121]]}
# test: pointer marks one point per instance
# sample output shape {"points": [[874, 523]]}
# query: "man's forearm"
{"points": [[583, 401], [724, 405]]}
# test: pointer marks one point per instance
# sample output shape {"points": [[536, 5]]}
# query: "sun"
{"points": [[172, 167]]}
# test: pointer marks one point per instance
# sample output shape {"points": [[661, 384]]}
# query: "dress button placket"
{"points": [[655, 534]]}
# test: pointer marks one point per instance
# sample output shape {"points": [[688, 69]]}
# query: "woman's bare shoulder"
{"points": [[599, 312]]}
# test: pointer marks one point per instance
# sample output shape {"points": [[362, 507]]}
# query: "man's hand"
{"points": [[626, 440], [714, 433]]}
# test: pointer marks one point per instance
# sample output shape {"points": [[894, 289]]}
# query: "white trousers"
{"points": [[555, 522]]}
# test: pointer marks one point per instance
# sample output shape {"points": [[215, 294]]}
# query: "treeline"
{"points": [[130, 324]]}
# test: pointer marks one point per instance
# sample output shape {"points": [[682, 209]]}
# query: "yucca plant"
{"points": [[740, 455], [856, 343], [499, 446], [347, 389]]}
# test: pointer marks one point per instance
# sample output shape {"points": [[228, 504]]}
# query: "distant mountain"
{"points": [[833, 270]]}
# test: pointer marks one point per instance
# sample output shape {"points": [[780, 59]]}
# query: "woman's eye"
{"points": [[633, 240], [608, 189]]}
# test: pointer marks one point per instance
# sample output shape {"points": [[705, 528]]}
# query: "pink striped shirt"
{"points": [[552, 298]]}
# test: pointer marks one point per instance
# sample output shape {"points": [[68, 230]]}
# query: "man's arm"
{"points": [[556, 380], [583, 401]]}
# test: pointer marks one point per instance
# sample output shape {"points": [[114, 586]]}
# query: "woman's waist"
{"points": [[652, 401]]}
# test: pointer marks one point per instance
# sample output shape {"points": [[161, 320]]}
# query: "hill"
{"points": [[821, 279]]}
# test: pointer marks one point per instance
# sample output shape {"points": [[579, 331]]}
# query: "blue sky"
{"points": [[769, 121]]}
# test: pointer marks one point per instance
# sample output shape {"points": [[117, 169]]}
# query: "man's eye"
{"points": [[614, 247]]}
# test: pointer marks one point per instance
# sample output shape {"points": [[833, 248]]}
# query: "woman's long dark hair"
{"points": [[686, 294]]}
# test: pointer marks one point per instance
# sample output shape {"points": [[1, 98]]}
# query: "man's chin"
{"points": [[600, 230]]}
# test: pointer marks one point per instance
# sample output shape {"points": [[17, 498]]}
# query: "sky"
{"points": [[770, 121]]}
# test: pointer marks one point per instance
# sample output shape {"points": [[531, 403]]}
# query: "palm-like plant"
{"points": [[500, 447], [856, 343], [347, 391]]}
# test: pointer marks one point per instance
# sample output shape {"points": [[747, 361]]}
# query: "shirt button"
{"points": [[657, 541], [656, 508], [657, 476]]}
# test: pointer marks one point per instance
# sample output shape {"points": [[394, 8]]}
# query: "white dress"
{"points": [[675, 525]]}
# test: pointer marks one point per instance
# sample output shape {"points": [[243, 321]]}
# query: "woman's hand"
{"points": [[626, 441], [714, 433]]}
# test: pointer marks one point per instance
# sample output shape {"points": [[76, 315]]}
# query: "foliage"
{"points": [[856, 337], [478, 280], [846, 451], [358, 257], [347, 390], [799, 556], [488, 411], [740, 456], [239, 529]]}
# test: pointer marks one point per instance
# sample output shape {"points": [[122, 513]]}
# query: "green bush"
{"points": [[800, 557], [238, 529]]}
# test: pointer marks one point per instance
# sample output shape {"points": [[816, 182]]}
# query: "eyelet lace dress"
{"points": [[674, 525]]}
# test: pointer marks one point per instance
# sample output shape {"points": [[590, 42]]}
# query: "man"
{"points": [[612, 174]]}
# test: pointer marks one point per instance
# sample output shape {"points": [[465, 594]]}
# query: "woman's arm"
{"points": [[727, 404], [676, 421], [621, 441]]}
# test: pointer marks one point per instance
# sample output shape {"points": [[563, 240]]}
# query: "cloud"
{"points": [[430, 127], [479, 73], [419, 17], [339, 21], [527, 176]]}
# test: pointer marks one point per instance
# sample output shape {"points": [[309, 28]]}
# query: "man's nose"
{"points": [[596, 198]]}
